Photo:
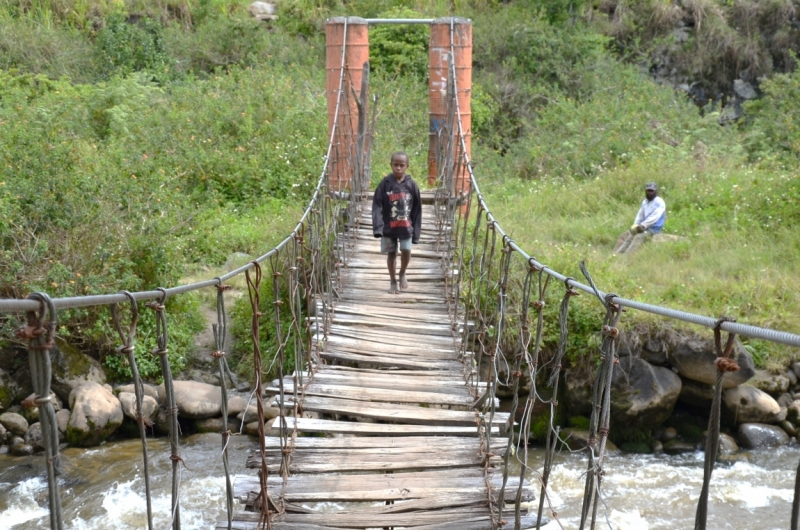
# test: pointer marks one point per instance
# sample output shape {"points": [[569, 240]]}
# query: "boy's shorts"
{"points": [[389, 244]]}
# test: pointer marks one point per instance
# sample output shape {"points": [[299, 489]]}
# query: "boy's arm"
{"points": [[377, 211], [416, 214]]}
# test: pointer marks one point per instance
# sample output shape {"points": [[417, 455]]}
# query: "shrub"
{"points": [[400, 49]]}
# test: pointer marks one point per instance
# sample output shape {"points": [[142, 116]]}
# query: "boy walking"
{"points": [[397, 218]]}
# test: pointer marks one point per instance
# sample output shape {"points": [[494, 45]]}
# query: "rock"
{"points": [[657, 448], [32, 413], [236, 405], [747, 404], [128, 402], [3, 450], [694, 360], [215, 425], [34, 437], [732, 112], [14, 422], [655, 352], [148, 390], [243, 387], [9, 389], [793, 412], [772, 384], [262, 10], [670, 433], [251, 414], [677, 447], [96, 414], [62, 419], [759, 435], [789, 427], [727, 445], [744, 89], [21, 449], [162, 421], [696, 394], [577, 394], [796, 396], [646, 396], [785, 399], [71, 367], [252, 429], [195, 400], [792, 377], [577, 439], [796, 369]]}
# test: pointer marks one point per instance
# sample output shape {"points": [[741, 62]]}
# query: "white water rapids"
{"points": [[103, 489]]}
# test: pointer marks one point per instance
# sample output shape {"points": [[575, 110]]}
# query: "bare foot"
{"points": [[393, 288], [403, 282]]}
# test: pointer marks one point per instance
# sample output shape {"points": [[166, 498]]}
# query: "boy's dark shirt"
{"points": [[397, 209]]}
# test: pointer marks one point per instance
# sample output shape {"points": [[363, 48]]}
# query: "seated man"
{"points": [[649, 221]]}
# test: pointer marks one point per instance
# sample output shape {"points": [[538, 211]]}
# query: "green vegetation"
{"points": [[146, 143]]}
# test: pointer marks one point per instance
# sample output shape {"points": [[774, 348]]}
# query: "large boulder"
{"points": [[577, 439], [236, 404], [9, 389], [14, 423], [793, 412], [772, 384], [96, 414], [148, 390], [34, 437], [251, 413], [128, 402], [747, 404], [195, 400], [757, 436], [32, 413], [696, 394], [216, 425], [71, 368], [694, 359], [645, 395]]}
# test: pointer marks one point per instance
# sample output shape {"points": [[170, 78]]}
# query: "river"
{"points": [[103, 489]]}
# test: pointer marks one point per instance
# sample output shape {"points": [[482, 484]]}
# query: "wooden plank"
{"points": [[390, 362], [394, 412], [378, 394], [498, 445], [376, 429]]}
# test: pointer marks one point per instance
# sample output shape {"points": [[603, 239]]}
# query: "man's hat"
{"points": [[651, 186]]}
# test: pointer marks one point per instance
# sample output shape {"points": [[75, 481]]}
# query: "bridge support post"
{"points": [[350, 33], [447, 33]]}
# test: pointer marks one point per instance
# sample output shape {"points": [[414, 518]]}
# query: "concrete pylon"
{"points": [[447, 33], [356, 42]]}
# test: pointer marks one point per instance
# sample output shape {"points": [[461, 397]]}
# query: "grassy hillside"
{"points": [[143, 142]]}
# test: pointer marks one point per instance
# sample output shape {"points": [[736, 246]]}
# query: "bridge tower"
{"points": [[447, 33], [352, 34]]}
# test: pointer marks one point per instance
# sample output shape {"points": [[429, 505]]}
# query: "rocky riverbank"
{"points": [[662, 391], [97, 412]]}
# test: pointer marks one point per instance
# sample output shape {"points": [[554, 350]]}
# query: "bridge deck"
{"points": [[401, 446]]}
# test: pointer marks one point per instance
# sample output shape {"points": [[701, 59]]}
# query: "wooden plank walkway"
{"points": [[400, 446]]}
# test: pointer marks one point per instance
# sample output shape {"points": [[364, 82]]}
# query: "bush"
{"points": [[399, 49], [125, 46]]}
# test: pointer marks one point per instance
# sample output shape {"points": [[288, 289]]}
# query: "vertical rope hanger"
{"points": [[127, 349], [220, 330], [162, 340], [40, 337], [725, 363], [253, 289]]}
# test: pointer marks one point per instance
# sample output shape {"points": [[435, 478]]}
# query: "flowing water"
{"points": [[103, 488]]}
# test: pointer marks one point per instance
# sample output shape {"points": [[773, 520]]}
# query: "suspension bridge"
{"points": [[389, 418]]}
